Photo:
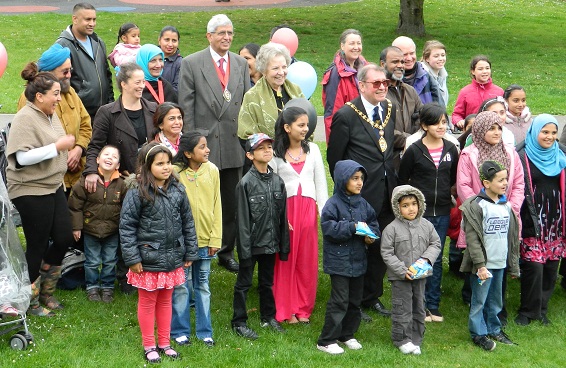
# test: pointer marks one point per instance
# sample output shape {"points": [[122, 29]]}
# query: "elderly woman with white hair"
{"points": [[264, 102]]}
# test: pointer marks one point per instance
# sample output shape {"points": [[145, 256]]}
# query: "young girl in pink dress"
{"points": [[158, 239], [299, 164]]}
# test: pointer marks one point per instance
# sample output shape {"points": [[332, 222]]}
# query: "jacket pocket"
{"points": [[258, 206], [337, 260], [149, 253], [279, 200]]}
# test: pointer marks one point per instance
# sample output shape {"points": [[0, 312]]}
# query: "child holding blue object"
{"points": [[492, 236], [344, 256], [409, 247]]}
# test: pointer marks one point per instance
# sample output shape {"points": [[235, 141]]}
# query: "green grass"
{"points": [[524, 39], [95, 334]]}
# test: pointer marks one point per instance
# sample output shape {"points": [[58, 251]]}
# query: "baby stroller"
{"points": [[15, 287]]}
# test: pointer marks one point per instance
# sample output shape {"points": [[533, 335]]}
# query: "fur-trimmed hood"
{"points": [[403, 190]]}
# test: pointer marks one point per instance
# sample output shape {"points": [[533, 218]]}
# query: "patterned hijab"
{"points": [[493, 152], [550, 161]]}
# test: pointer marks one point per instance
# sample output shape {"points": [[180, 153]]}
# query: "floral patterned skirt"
{"points": [[151, 281]]}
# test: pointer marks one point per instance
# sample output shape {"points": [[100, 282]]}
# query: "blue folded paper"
{"points": [[363, 229]]}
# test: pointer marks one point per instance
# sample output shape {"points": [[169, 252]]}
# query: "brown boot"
{"points": [[35, 308], [49, 280]]}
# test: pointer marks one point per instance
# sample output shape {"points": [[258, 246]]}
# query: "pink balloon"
{"points": [[3, 59], [288, 38]]}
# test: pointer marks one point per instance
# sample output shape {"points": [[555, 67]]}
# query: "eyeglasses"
{"points": [[67, 71], [224, 33], [380, 83]]}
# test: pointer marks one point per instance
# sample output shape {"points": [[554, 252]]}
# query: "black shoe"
{"points": [[522, 320], [544, 320], [127, 288], [380, 309], [245, 332], [563, 282], [273, 324], [365, 317], [484, 343], [230, 264], [502, 338]]}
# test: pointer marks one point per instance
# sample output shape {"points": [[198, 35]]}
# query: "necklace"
{"points": [[298, 157], [377, 124]]}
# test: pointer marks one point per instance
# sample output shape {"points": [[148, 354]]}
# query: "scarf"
{"points": [[172, 146], [550, 161], [492, 152], [144, 56]]}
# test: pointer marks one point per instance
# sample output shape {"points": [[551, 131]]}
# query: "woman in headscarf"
{"points": [[542, 215], [157, 89]]}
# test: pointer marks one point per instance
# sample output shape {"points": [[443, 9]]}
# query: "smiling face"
{"points": [[298, 129], [200, 153], [497, 186], [352, 48], [63, 73], [409, 207], [161, 168], [169, 43], [437, 59], [134, 86], [367, 88], [499, 109], [84, 21], [155, 66], [547, 135], [250, 59], [108, 160], [493, 135], [355, 184], [276, 72], [482, 72], [517, 101], [172, 124], [438, 130], [221, 39], [394, 65], [48, 101], [409, 54]]}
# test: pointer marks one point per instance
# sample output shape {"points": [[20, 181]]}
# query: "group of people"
{"points": [[204, 154]]}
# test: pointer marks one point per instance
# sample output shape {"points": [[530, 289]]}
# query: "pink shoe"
{"points": [[8, 310]]}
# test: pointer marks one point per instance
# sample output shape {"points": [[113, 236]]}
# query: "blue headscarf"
{"points": [[550, 161], [145, 54], [53, 57]]}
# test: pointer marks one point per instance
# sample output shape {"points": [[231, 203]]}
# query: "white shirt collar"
{"points": [[369, 107], [217, 57]]}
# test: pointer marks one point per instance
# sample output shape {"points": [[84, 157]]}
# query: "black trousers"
{"points": [[265, 268], [537, 285], [229, 178], [343, 315], [45, 217]]}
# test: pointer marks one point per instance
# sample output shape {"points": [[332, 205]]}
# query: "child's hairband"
{"points": [[151, 149]]}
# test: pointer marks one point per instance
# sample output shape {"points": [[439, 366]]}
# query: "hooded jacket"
{"points": [[404, 241], [475, 255], [261, 217], [159, 234], [91, 77], [471, 97], [344, 253]]}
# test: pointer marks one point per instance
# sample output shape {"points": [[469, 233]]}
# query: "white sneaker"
{"points": [[407, 348], [333, 349], [417, 350], [353, 344]]}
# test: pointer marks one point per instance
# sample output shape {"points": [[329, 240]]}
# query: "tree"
{"points": [[411, 18]]}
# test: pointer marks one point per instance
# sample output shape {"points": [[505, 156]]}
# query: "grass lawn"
{"points": [[521, 37]]}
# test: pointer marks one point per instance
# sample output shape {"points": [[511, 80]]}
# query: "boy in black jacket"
{"points": [[262, 232]]}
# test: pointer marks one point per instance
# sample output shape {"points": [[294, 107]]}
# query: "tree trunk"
{"points": [[411, 18]]}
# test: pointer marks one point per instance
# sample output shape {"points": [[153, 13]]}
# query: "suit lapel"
{"points": [[209, 72]]}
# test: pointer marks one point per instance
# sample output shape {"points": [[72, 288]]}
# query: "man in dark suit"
{"points": [[212, 85], [363, 131]]}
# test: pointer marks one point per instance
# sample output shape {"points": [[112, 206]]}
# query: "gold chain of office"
{"points": [[377, 124]]}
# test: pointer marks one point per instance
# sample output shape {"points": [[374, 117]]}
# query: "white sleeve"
{"points": [[36, 155]]}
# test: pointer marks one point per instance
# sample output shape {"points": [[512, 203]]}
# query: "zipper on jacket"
{"points": [[435, 180]]}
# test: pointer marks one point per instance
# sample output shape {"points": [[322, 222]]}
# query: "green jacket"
{"points": [[259, 108]]}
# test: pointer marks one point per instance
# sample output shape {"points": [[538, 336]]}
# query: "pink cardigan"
{"points": [[470, 98], [468, 181]]}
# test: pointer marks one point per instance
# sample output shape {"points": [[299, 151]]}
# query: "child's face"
{"points": [[438, 130], [262, 154], [469, 125], [161, 168], [355, 183], [437, 59], [200, 152], [132, 37], [109, 159], [517, 102], [409, 208], [499, 109], [298, 129], [169, 43], [498, 185], [493, 135], [482, 72], [547, 136]]}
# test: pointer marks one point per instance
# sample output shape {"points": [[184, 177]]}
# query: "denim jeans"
{"points": [[486, 304], [432, 290], [196, 287], [100, 252]]}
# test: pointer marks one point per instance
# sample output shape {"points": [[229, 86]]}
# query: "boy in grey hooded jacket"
{"points": [[409, 238]]}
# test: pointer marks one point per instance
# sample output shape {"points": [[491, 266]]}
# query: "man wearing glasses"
{"points": [[363, 131], [212, 85]]}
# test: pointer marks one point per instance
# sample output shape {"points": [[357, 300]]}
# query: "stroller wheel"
{"points": [[18, 342], [27, 335]]}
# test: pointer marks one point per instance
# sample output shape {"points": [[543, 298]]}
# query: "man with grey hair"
{"points": [[415, 74], [212, 85], [363, 131]]}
